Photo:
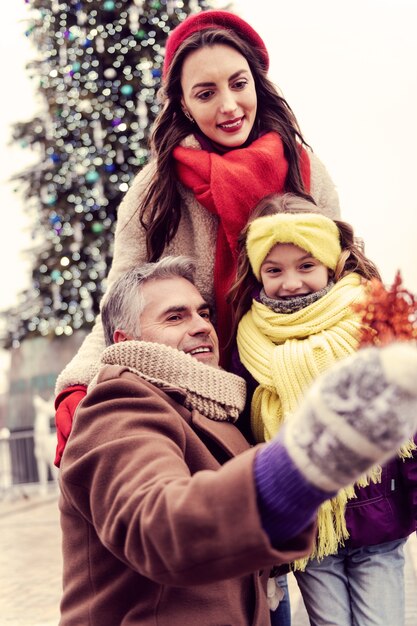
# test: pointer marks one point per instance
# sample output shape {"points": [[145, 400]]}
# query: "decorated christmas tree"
{"points": [[98, 70]]}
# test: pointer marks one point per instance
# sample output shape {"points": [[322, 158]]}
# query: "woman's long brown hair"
{"points": [[160, 208], [352, 258]]}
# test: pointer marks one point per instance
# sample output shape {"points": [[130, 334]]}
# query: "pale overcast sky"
{"points": [[349, 71]]}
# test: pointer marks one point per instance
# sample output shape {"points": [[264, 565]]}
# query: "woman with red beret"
{"points": [[224, 138]]}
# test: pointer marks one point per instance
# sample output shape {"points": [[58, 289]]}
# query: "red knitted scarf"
{"points": [[230, 185]]}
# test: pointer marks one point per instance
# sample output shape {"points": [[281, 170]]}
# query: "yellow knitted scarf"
{"points": [[285, 353]]}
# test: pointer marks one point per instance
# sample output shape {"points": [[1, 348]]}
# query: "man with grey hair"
{"points": [[124, 307], [168, 515]]}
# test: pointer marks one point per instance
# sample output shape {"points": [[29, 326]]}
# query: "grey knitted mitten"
{"points": [[355, 415]]}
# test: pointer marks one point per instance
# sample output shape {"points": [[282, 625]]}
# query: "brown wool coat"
{"points": [[160, 527]]}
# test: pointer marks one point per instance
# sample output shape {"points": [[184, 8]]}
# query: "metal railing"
{"points": [[25, 460]]}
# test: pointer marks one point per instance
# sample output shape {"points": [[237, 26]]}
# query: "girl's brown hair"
{"points": [[352, 258], [160, 209]]}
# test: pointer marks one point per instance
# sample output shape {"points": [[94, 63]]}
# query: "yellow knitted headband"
{"points": [[314, 233]]}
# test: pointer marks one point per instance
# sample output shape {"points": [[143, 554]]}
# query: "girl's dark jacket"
{"points": [[385, 511]]}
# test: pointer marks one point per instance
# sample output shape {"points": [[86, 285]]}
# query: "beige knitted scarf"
{"points": [[213, 392]]}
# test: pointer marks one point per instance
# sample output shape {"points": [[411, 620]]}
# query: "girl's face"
{"points": [[219, 92], [289, 271]]}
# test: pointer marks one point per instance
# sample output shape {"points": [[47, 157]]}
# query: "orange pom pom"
{"points": [[388, 313]]}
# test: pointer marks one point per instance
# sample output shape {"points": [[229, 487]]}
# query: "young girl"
{"points": [[299, 274]]}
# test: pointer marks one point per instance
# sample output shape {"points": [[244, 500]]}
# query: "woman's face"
{"points": [[219, 93]]}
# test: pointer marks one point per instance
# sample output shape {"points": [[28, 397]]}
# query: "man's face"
{"points": [[176, 315]]}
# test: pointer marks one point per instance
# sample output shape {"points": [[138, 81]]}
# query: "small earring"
{"points": [[188, 116]]}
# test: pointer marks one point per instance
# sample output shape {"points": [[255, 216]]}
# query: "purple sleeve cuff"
{"points": [[287, 502]]}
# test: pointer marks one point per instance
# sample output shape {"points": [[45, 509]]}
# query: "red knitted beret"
{"points": [[213, 19]]}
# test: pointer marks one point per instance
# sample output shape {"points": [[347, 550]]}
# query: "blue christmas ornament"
{"points": [[54, 218], [50, 200], [55, 275], [92, 176], [126, 90]]}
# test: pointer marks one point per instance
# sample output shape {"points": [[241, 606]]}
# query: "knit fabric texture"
{"points": [[295, 303], [358, 413], [281, 488], [223, 20], [216, 394], [316, 234], [229, 186], [342, 400]]}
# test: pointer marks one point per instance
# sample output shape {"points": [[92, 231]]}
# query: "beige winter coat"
{"points": [[196, 237]]}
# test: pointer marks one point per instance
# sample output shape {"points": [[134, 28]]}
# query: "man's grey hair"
{"points": [[124, 302]]}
